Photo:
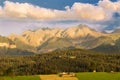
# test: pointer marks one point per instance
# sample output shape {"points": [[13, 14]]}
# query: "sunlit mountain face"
{"points": [[17, 16]]}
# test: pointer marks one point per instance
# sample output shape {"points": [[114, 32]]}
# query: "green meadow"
{"points": [[20, 78], [98, 76], [79, 76]]}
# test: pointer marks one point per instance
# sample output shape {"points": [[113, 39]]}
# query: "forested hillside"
{"points": [[15, 51], [110, 49], [75, 60]]}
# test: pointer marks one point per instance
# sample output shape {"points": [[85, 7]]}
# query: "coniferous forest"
{"points": [[74, 60]]}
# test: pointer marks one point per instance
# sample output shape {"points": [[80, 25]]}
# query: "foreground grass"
{"points": [[98, 76], [56, 77], [21, 78], [80, 76]]}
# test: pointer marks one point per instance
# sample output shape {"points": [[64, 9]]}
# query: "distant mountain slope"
{"points": [[55, 43], [6, 42], [55, 38], [79, 32], [103, 40], [116, 31], [15, 51], [107, 48], [8, 47], [81, 36]]}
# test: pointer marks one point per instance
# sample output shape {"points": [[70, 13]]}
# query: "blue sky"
{"points": [[17, 16]]}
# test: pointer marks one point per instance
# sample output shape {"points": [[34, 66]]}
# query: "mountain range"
{"points": [[49, 39]]}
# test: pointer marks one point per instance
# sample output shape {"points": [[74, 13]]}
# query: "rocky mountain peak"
{"points": [[43, 37], [80, 31]]}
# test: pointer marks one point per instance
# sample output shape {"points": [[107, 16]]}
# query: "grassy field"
{"points": [[80, 76], [56, 77], [98, 76], [21, 78]]}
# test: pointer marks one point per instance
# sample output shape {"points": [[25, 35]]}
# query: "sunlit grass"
{"points": [[20, 78], [98, 76]]}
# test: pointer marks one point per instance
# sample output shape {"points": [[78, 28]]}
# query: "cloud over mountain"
{"points": [[21, 16]]}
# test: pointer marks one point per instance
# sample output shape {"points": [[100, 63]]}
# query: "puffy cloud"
{"points": [[81, 11], [88, 11], [77, 11], [111, 6], [25, 10]]}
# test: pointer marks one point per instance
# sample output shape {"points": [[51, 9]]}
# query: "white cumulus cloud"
{"points": [[111, 6], [77, 11], [88, 11], [25, 10]]}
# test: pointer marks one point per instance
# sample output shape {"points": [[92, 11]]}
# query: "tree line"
{"points": [[74, 60]]}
